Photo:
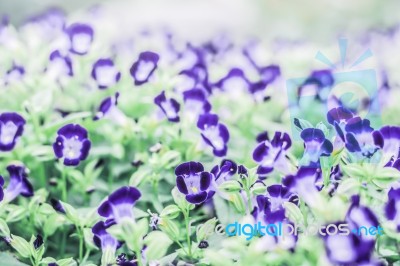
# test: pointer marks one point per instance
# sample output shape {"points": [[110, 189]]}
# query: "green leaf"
{"points": [[157, 244], [4, 230], [206, 229], [171, 211], [21, 246], [170, 227], [230, 186], [237, 201], [293, 212]]}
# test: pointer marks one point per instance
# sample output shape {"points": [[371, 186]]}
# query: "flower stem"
{"points": [[186, 214], [64, 185]]}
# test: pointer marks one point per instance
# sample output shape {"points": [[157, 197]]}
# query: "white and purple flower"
{"points": [[235, 82], [306, 183], [271, 155], [59, 65], [108, 109], [196, 102], [143, 69], [388, 138], [119, 204], [19, 183], [224, 171], [11, 128], [102, 239], [15, 73], [214, 133], [105, 73], [72, 144], [318, 83], [170, 107], [81, 38], [392, 207], [271, 205], [194, 182], [316, 145], [360, 139]]}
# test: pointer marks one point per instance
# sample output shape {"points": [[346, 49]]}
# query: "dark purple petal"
{"points": [[339, 114], [197, 198], [352, 143], [181, 184], [263, 136], [189, 168], [205, 181], [124, 195], [207, 120], [269, 73]]}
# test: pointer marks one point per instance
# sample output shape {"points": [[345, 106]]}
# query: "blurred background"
{"points": [[289, 19]]}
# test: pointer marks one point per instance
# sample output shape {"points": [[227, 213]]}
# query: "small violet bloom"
{"points": [[235, 82], [170, 107], [214, 133], [388, 138], [119, 204], [59, 65], [271, 154], [104, 240], [15, 73], [318, 83], [360, 139], [144, 67], [338, 117], [19, 183], [105, 73], [271, 205], [316, 145], [81, 38], [196, 102], [348, 249], [194, 182], [108, 109], [224, 171], [392, 208], [306, 183], [72, 144], [11, 128]]}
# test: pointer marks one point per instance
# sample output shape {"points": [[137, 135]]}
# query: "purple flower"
{"points": [[224, 171], [198, 77], [72, 144], [234, 82], [360, 139], [242, 171], [57, 206], [338, 117], [388, 138], [81, 38], [15, 73], [269, 73], [271, 207], [105, 73], [318, 84], [194, 182], [316, 145], [271, 155], [306, 183], [170, 107], [59, 65], [196, 102], [119, 204], [102, 239], [144, 67], [392, 207], [11, 128], [214, 133], [19, 183], [359, 215], [348, 249], [108, 109]]}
